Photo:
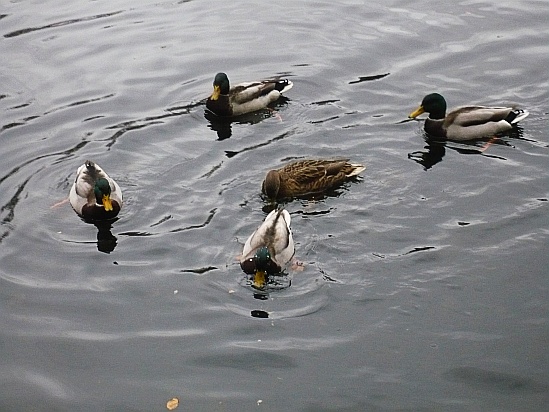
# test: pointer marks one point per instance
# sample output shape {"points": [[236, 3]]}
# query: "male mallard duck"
{"points": [[94, 195], [466, 123], [269, 248], [244, 97], [308, 176]]}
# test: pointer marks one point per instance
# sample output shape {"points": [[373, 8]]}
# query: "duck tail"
{"points": [[516, 115], [283, 85], [357, 169], [91, 169]]}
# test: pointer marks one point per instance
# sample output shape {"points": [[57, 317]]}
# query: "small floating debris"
{"points": [[172, 404]]}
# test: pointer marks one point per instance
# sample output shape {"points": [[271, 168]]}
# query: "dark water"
{"points": [[424, 285]]}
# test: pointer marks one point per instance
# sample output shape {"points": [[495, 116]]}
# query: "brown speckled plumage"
{"points": [[307, 177]]}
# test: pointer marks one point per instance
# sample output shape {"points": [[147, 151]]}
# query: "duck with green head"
{"points": [[269, 248], [244, 97], [465, 123], [94, 195]]}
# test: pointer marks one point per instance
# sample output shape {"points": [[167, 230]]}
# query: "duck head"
{"points": [[221, 86], [102, 191], [263, 260], [434, 104]]}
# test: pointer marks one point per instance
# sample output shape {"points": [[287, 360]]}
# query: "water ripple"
{"points": [[61, 23]]}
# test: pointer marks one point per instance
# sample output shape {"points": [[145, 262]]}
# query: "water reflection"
{"points": [[223, 125], [258, 313], [106, 241], [433, 153], [436, 149], [311, 201], [219, 125]]}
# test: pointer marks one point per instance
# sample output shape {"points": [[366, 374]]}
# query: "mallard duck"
{"points": [[466, 123], [94, 195], [269, 249], [308, 176], [244, 97]]}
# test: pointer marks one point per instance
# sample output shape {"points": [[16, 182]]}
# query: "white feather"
{"points": [[81, 192], [274, 233]]}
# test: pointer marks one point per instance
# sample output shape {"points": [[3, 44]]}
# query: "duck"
{"points": [[310, 176], [244, 97], [94, 195], [466, 123], [269, 248]]}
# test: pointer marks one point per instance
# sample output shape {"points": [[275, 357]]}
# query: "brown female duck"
{"points": [[308, 176]]}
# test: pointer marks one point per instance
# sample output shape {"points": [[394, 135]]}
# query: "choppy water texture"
{"points": [[424, 284]]}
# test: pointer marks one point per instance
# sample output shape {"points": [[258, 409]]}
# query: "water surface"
{"points": [[424, 284]]}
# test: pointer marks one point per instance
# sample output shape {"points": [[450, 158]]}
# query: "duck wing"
{"points": [[275, 234], [476, 115], [245, 92]]}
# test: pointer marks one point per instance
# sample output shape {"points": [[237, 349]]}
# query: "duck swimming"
{"points": [[466, 123], [308, 176], [94, 195], [269, 248], [244, 97]]}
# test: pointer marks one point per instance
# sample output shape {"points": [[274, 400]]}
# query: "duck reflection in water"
{"points": [[436, 149], [433, 153], [106, 241], [223, 125]]}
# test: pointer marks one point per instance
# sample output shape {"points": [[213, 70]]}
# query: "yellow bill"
{"points": [[260, 279], [107, 204], [216, 93], [419, 110]]}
